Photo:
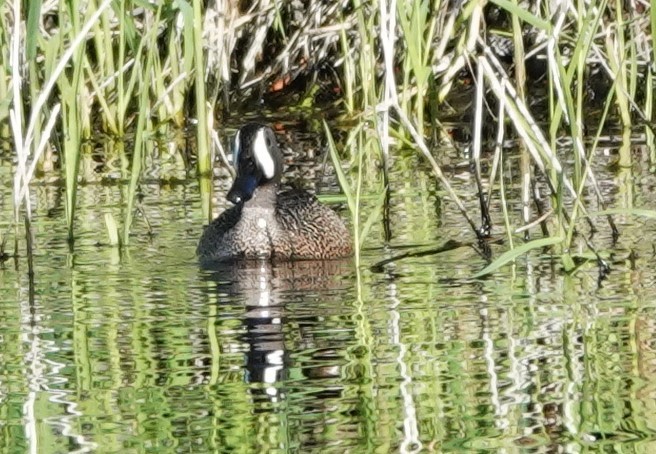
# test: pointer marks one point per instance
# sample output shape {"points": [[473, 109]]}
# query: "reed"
{"points": [[26, 149], [417, 26], [142, 72], [144, 126], [581, 45], [202, 109], [82, 81]]}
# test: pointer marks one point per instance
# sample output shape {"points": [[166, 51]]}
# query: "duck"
{"points": [[266, 222]]}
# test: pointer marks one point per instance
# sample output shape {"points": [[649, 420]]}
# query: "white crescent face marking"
{"points": [[263, 156], [235, 150]]}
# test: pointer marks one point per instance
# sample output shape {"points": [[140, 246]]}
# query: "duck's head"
{"points": [[257, 160]]}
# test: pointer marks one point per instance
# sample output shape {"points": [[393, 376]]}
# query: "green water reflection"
{"points": [[145, 351]]}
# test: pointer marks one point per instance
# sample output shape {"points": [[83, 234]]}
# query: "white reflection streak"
{"points": [[576, 369], [34, 373], [30, 422], [515, 371], [271, 372], [38, 380], [65, 422], [411, 441], [494, 379], [265, 296], [276, 356]]}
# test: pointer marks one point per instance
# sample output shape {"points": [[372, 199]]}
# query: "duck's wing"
{"points": [[315, 230]]}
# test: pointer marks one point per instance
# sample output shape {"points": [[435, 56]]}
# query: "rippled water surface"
{"points": [[142, 350]]}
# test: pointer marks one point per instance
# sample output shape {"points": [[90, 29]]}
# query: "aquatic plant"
{"points": [[540, 73]]}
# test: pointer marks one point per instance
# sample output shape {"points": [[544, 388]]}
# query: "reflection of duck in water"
{"points": [[284, 304], [266, 223]]}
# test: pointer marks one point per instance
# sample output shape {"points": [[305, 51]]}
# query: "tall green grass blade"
{"points": [[71, 93], [140, 133], [112, 230], [348, 71], [516, 10], [341, 177], [641, 212], [652, 24], [417, 35], [108, 108], [137, 156], [513, 254], [122, 96], [649, 113], [202, 127], [32, 28], [366, 62], [352, 200], [189, 55], [374, 215]]}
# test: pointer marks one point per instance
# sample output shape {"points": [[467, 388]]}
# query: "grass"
{"points": [[398, 68]]}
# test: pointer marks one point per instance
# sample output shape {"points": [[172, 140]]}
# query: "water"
{"points": [[143, 350]]}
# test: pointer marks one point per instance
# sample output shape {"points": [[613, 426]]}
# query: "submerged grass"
{"points": [[540, 69]]}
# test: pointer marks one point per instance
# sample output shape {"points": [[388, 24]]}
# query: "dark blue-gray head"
{"points": [[257, 160]]}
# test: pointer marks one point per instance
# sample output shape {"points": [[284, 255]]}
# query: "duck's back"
{"points": [[314, 230]]}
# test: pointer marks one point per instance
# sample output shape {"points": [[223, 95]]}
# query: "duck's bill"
{"points": [[242, 189]]}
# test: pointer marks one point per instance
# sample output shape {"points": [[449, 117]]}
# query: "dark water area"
{"points": [[142, 350]]}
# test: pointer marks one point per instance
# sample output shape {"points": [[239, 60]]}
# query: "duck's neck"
{"points": [[263, 197]]}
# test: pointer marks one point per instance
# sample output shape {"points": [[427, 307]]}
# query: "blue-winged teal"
{"points": [[266, 223]]}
